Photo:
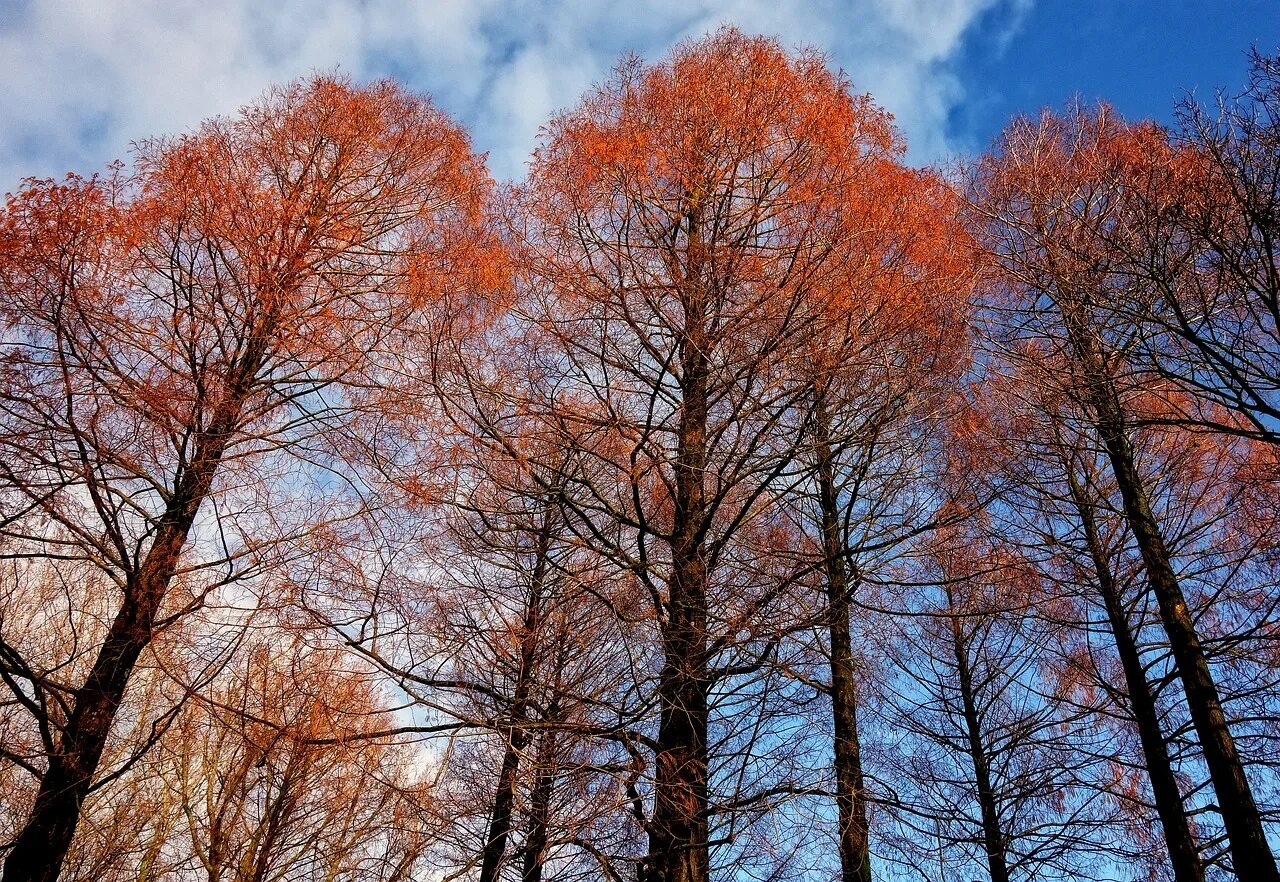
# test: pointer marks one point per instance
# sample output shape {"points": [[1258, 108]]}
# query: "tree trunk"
{"points": [[851, 802], [678, 830], [504, 799], [535, 845], [40, 849], [1250, 852], [517, 738], [1184, 854], [992, 836]]}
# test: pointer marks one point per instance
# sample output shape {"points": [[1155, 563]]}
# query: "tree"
{"points": [[684, 230], [881, 372], [1056, 503], [56, 618], [545, 662], [185, 336], [988, 768], [1205, 237], [278, 774], [1047, 203]]}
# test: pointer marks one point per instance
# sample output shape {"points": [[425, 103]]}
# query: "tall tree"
{"points": [[175, 334], [683, 230], [546, 660], [1049, 202], [881, 370], [988, 775], [1056, 501], [1205, 236]]}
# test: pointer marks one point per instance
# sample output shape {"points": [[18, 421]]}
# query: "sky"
{"points": [[82, 79]]}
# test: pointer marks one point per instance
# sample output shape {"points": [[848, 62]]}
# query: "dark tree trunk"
{"points": [[535, 845], [1184, 854], [42, 846], [504, 799], [678, 830], [1250, 852], [851, 802], [992, 835], [40, 849], [516, 732]]}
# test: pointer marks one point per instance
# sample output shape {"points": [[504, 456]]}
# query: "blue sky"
{"points": [[1140, 56], [81, 79]]}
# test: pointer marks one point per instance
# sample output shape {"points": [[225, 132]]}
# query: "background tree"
{"points": [[1205, 238], [525, 622], [883, 371], [275, 775], [1055, 500], [989, 775]]}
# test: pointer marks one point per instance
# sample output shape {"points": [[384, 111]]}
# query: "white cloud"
{"points": [[81, 79]]}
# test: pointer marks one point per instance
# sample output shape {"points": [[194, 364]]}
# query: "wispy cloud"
{"points": [[81, 79]]}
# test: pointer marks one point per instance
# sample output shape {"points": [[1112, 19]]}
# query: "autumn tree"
{"points": [[532, 631], [883, 371], [684, 229], [52, 619], [725, 498], [277, 772], [183, 336], [1048, 203], [1056, 501], [497, 622], [1206, 241]]}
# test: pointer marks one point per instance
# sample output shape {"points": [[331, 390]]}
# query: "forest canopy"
{"points": [[727, 499]]}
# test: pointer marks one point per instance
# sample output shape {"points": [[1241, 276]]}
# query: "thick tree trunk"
{"points": [[678, 829], [992, 836], [678, 843], [851, 803], [1184, 854], [1250, 852], [40, 849], [504, 799]]}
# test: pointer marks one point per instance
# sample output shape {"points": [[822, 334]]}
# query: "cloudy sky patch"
{"points": [[81, 79]]}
